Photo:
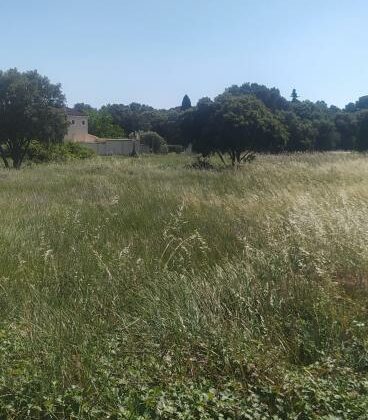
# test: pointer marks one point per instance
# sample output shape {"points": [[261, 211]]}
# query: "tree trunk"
{"points": [[222, 158], [3, 157], [16, 163], [248, 156], [232, 156], [18, 152], [25, 150], [238, 157]]}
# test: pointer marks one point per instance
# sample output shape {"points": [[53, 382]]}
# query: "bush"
{"points": [[164, 149], [175, 148], [201, 163], [154, 141], [41, 153], [76, 151]]}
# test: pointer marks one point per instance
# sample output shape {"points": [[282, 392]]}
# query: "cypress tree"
{"points": [[186, 103], [294, 96]]}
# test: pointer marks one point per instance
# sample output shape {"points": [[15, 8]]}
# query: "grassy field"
{"points": [[139, 289]]}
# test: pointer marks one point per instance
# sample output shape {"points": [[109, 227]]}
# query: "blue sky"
{"points": [[155, 51]]}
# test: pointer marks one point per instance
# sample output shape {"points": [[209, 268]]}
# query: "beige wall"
{"points": [[78, 133], [78, 129], [107, 147]]}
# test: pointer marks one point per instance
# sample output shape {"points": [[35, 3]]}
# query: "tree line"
{"points": [[246, 119], [239, 122]]}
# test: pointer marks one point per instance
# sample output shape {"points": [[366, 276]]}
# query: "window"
{"points": [[73, 122], [83, 122]]}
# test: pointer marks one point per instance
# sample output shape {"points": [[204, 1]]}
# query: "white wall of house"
{"points": [[78, 129], [78, 133], [108, 147]]}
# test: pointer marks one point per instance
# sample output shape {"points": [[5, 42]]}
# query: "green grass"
{"points": [[137, 288]]}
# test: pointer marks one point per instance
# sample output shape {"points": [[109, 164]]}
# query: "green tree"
{"points": [[186, 103], [270, 97], [82, 107], [362, 103], [247, 126], [350, 107], [322, 118], [302, 134], [167, 124], [154, 141], [362, 132], [31, 108], [235, 125], [131, 118], [327, 137], [294, 96], [137, 117], [197, 127], [346, 125], [101, 124]]}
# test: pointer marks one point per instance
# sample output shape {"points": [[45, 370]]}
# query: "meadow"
{"points": [[137, 288]]}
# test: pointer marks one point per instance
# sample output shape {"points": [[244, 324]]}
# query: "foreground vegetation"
{"points": [[138, 288]]}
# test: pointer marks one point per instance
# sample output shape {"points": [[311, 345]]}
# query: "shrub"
{"points": [[175, 148], [164, 149], [154, 141], [40, 153], [76, 151], [201, 163]]}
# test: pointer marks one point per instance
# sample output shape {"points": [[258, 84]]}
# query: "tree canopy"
{"points": [[271, 97], [244, 119], [234, 125], [31, 108], [101, 124], [296, 125], [154, 141], [186, 103], [294, 96]]}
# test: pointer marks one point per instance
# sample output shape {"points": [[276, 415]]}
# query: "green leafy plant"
{"points": [[40, 153]]}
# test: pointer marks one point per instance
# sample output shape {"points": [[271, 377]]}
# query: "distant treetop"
{"points": [[271, 97], [82, 107], [186, 103], [294, 96], [75, 112]]}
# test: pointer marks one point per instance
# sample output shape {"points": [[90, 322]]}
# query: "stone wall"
{"points": [[109, 147]]}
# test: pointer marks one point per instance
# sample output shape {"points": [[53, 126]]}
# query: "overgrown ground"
{"points": [[139, 289]]}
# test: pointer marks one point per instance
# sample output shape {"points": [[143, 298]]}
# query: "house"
{"points": [[78, 133], [78, 127]]}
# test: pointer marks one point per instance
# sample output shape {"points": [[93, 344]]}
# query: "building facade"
{"points": [[78, 127], [78, 133]]}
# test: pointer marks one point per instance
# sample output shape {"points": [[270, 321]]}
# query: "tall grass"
{"points": [[137, 287]]}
